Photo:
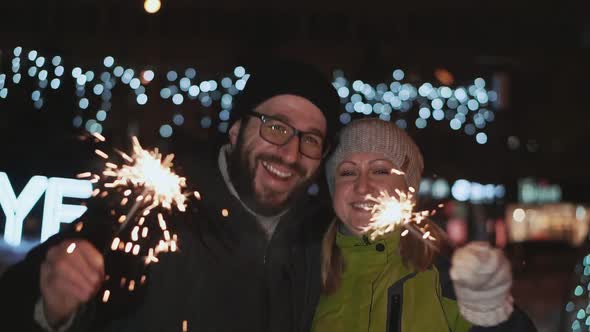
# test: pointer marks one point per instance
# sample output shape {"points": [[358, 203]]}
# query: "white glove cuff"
{"points": [[488, 317]]}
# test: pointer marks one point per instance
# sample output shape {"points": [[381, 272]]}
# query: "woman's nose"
{"points": [[363, 184]]}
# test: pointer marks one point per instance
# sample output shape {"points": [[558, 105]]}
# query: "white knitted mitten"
{"points": [[482, 279]]}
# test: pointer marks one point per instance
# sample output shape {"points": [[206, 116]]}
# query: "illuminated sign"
{"points": [[531, 191], [555, 221], [55, 211], [462, 190]]}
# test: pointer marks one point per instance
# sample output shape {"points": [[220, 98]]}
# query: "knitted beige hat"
{"points": [[383, 137]]}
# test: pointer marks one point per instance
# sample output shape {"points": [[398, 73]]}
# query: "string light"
{"points": [[465, 108], [152, 6], [578, 305]]}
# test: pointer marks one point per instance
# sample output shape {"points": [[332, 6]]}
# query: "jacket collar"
{"points": [[381, 251]]}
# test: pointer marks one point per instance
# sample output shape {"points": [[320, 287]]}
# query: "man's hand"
{"points": [[71, 274], [482, 279]]}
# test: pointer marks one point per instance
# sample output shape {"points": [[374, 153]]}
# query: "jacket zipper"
{"points": [[395, 314], [395, 302]]}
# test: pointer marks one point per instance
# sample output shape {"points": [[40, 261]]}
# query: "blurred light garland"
{"points": [[578, 308], [466, 108]]}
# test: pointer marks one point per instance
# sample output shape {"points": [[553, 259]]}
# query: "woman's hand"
{"points": [[482, 279]]}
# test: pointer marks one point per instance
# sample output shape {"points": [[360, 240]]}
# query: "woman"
{"points": [[392, 284]]}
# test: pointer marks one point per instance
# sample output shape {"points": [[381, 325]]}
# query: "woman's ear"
{"points": [[234, 132]]}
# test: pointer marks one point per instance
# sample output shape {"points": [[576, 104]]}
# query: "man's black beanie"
{"points": [[284, 76]]}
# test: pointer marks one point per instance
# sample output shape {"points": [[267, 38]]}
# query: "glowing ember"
{"points": [[115, 243], [398, 172], [105, 296], [101, 154], [161, 221], [151, 257], [99, 137], [71, 248], [134, 233], [84, 175]]}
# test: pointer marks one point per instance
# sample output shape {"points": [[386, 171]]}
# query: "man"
{"points": [[253, 267]]}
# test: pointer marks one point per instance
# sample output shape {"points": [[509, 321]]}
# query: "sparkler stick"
{"points": [[130, 214]]}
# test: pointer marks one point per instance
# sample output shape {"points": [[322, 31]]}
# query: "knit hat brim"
{"points": [[378, 136]]}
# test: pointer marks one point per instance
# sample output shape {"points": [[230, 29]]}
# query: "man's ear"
{"points": [[234, 131]]}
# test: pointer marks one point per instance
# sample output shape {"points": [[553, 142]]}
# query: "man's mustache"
{"points": [[294, 167]]}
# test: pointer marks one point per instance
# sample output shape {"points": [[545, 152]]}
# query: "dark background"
{"points": [[541, 48]]}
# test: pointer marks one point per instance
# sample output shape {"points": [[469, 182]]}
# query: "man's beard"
{"points": [[242, 176]]}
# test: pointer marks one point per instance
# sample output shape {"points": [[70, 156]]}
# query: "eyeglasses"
{"points": [[278, 132]]}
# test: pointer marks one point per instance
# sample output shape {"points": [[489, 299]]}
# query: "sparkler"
{"points": [[147, 169], [161, 187], [145, 178], [390, 213]]}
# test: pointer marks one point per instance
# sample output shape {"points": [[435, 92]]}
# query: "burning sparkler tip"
{"points": [[71, 248]]}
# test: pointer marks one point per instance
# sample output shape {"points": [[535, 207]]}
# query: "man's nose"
{"points": [[290, 151]]}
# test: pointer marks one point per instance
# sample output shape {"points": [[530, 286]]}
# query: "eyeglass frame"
{"points": [[296, 132]]}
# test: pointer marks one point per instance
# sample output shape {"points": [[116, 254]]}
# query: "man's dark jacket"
{"points": [[226, 276]]}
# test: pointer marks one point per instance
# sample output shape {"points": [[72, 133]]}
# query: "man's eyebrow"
{"points": [[315, 131], [280, 117]]}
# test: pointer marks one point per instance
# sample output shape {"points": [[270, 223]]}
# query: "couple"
{"points": [[269, 265]]}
